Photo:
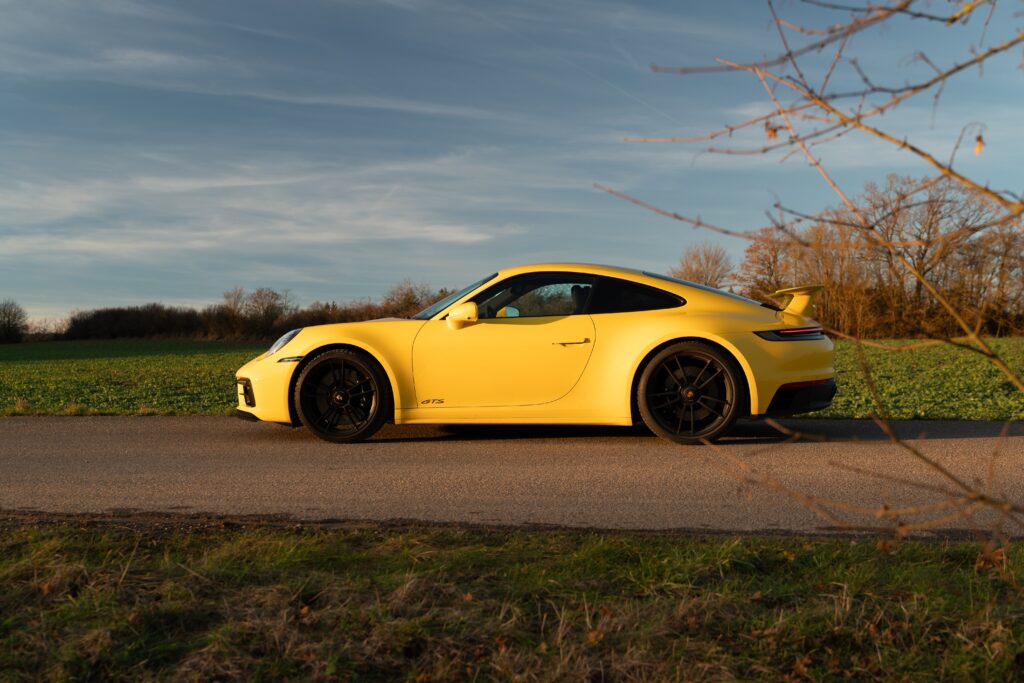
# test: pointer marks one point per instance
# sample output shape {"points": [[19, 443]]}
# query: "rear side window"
{"points": [[612, 295]]}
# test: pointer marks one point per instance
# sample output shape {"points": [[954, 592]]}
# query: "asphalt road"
{"points": [[575, 477]]}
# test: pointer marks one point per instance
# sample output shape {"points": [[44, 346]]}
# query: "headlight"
{"points": [[285, 338]]}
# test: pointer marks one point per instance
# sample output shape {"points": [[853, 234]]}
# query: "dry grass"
{"points": [[434, 604]]}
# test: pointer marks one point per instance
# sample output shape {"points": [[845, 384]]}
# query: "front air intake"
{"points": [[245, 388]]}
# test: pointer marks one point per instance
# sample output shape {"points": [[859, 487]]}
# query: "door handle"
{"points": [[586, 340]]}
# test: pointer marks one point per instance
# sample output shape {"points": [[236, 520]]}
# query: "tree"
{"points": [[264, 306], [817, 91], [407, 298], [705, 263], [867, 292], [13, 322], [234, 300]]}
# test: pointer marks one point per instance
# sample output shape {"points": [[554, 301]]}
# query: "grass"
{"points": [[448, 604], [197, 378], [121, 377], [934, 383]]}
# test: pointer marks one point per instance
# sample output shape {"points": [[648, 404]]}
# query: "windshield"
{"points": [[705, 288], [432, 310]]}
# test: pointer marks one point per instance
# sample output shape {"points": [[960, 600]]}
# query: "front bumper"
{"points": [[802, 397], [262, 387]]}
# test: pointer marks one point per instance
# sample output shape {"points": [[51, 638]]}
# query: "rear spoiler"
{"points": [[800, 300]]}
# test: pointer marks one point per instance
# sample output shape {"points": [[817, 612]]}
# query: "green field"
{"points": [[196, 378], [121, 377], [215, 603], [935, 383]]}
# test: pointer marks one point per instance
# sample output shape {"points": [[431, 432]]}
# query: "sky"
{"points": [[169, 151]]}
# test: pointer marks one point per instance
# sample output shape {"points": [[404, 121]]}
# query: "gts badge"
{"points": [[432, 402]]}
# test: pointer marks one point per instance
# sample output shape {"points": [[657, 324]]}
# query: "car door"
{"points": [[530, 345]]}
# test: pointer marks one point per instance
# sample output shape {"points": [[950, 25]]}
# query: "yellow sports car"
{"points": [[556, 343]]}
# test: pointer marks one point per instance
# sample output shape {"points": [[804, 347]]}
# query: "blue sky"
{"points": [[169, 151]]}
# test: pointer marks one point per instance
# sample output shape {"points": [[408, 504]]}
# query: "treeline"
{"points": [[944, 234], [258, 315]]}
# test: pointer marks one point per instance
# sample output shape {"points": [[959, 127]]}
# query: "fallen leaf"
{"points": [[990, 559]]}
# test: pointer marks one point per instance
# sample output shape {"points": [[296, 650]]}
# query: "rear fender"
{"points": [[714, 340]]}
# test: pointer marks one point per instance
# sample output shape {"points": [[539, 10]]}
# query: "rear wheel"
{"points": [[690, 393], [342, 396]]}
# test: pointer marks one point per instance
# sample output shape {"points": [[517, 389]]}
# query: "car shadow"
{"points": [[751, 432], [744, 432]]}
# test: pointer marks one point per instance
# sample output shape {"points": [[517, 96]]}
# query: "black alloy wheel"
{"points": [[342, 396], [690, 393]]}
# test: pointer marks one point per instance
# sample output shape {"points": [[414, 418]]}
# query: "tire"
{"points": [[690, 393], [343, 396]]}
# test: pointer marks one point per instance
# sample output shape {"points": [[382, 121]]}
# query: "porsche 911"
{"points": [[553, 344]]}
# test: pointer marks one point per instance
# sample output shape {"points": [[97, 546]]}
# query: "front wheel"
{"points": [[690, 393], [342, 396]]}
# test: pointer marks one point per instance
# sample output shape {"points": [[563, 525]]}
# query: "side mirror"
{"points": [[462, 315], [508, 312]]}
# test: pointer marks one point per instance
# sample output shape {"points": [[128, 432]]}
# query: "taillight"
{"points": [[792, 334]]}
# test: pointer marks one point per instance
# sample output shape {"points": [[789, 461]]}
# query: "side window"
{"points": [[612, 295], [536, 295]]}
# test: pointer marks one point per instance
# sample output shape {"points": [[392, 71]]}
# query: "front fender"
{"points": [[400, 390], [389, 342]]}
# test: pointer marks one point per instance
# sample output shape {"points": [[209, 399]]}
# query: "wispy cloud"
{"points": [[182, 62], [137, 58], [317, 206], [354, 101]]}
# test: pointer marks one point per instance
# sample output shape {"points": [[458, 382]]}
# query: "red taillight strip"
{"points": [[799, 330]]}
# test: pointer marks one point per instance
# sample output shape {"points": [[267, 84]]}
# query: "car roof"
{"points": [[592, 268], [665, 282], [633, 274]]}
